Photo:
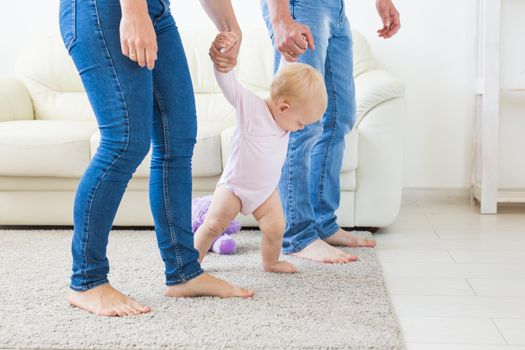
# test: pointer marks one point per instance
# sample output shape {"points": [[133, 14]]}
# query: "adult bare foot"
{"points": [[207, 285], [323, 252], [344, 238], [281, 267], [105, 300]]}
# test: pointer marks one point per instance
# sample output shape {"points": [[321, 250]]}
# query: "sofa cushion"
{"points": [[206, 160], [52, 80], [213, 108], [45, 147]]}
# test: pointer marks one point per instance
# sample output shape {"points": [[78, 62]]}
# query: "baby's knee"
{"points": [[275, 229], [215, 226]]}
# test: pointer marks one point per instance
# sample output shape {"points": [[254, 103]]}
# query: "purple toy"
{"points": [[224, 244]]}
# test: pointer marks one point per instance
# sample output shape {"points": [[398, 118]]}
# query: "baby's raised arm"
{"points": [[230, 86]]}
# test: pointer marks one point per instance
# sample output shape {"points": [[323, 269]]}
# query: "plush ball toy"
{"points": [[224, 244]]}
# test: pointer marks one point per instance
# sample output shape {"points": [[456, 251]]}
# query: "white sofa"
{"points": [[48, 134]]}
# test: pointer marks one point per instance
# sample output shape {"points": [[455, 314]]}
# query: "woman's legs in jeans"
{"points": [[174, 137], [122, 95], [174, 134]]}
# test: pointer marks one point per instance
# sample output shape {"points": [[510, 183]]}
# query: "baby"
{"points": [[249, 182]]}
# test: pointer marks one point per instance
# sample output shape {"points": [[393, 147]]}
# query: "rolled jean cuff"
{"points": [[89, 286], [329, 230], [194, 270], [298, 247]]}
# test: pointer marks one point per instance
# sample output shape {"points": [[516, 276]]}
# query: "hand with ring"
{"points": [[292, 39], [138, 39]]}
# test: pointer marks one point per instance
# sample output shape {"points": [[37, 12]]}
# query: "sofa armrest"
{"points": [[373, 88], [15, 101], [379, 172]]}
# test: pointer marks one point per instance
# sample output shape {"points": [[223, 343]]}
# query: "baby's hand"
{"points": [[224, 41], [224, 51]]}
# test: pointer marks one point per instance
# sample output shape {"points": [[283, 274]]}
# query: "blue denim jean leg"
{"points": [[310, 202], [136, 109]]}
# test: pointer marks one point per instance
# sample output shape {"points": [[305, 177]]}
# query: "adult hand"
{"points": [[292, 39], [138, 39], [390, 18], [224, 51]]}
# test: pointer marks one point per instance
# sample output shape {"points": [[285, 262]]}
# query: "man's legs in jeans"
{"points": [[327, 154], [303, 235]]}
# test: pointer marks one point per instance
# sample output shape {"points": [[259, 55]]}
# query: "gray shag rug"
{"points": [[321, 307]]}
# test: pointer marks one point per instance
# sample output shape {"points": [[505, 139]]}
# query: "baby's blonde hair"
{"points": [[299, 82]]}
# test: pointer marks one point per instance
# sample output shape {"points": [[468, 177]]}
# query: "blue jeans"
{"points": [[135, 108], [309, 187]]}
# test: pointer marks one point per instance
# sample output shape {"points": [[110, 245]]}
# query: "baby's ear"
{"points": [[284, 106]]}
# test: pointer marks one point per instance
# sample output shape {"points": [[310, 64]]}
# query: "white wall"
{"points": [[434, 54]]}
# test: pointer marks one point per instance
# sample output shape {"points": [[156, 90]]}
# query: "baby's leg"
{"points": [[272, 224], [223, 209]]}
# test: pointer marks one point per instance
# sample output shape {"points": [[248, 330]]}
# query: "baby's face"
{"points": [[294, 117]]}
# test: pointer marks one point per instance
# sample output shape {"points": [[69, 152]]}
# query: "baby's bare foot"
{"points": [[207, 285], [323, 252], [105, 300], [347, 239], [281, 267]]}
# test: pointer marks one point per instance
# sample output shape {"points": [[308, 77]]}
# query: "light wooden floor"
{"points": [[457, 278]]}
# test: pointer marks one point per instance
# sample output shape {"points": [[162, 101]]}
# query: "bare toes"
{"points": [[134, 311], [140, 308], [367, 243], [121, 313], [244, 293], [111, 313], [343, 256]]}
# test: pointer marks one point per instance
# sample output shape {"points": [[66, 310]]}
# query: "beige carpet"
{"points": [[322, 307]]}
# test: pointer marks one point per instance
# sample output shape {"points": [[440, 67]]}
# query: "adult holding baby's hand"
{"points": [[224, 54], [224, 50], [317, 32]]}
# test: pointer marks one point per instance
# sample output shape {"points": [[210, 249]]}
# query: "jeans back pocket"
{"points": [[67, 22]]}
